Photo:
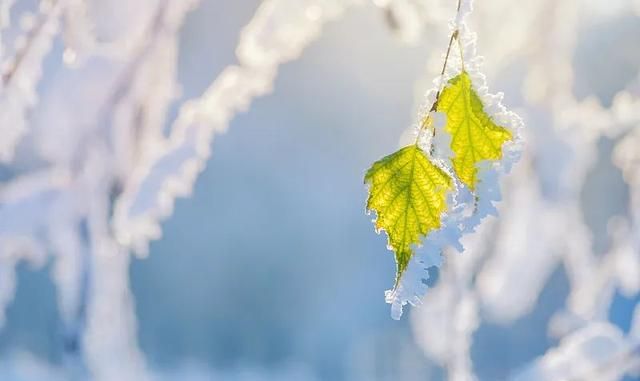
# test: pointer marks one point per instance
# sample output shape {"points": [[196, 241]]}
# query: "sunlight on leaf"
{"points": [[474, 136], [408, 193]]}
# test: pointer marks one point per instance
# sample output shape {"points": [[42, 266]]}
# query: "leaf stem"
{"points": [[426, 122], [454, 36], [461, 55]]}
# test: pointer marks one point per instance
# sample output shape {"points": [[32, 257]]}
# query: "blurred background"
{"points": [[270, 269]]}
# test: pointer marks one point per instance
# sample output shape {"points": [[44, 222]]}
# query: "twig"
{"points": [[426, 122], [20, 56], [612, 363]]}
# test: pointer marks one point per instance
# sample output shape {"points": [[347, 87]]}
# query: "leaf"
{"points": [[474, 136], [408, 193]]}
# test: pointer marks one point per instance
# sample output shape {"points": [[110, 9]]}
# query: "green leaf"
{"points": [[408, 193], [475, 137]]}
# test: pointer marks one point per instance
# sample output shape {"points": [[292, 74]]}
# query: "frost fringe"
{"points": [[465, 214]]}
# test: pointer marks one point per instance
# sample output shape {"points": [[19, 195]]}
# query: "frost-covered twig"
{"points": [[126, 132], [597, 352], [25, 208], [5, 22], [21, 74], [542, 224], [278, 32]]}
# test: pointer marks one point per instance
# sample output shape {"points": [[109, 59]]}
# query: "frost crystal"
{"points": [[100, 181], [278, 32], [92, 165], [467, 210], [542, 224], [20, 75]]}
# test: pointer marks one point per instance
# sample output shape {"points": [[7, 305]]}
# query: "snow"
{"points": [[90, 174]]}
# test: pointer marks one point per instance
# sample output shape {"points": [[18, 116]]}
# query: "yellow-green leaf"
{"points": [[408, 193], [474, 136]]}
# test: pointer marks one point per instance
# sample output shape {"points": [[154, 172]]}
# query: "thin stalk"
{"points": [[21, 55], [461, 55], [426, 122], [615, 362]]}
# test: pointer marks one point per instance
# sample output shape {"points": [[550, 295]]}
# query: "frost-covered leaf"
{"points": [[475, 136], [408, 193]]}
